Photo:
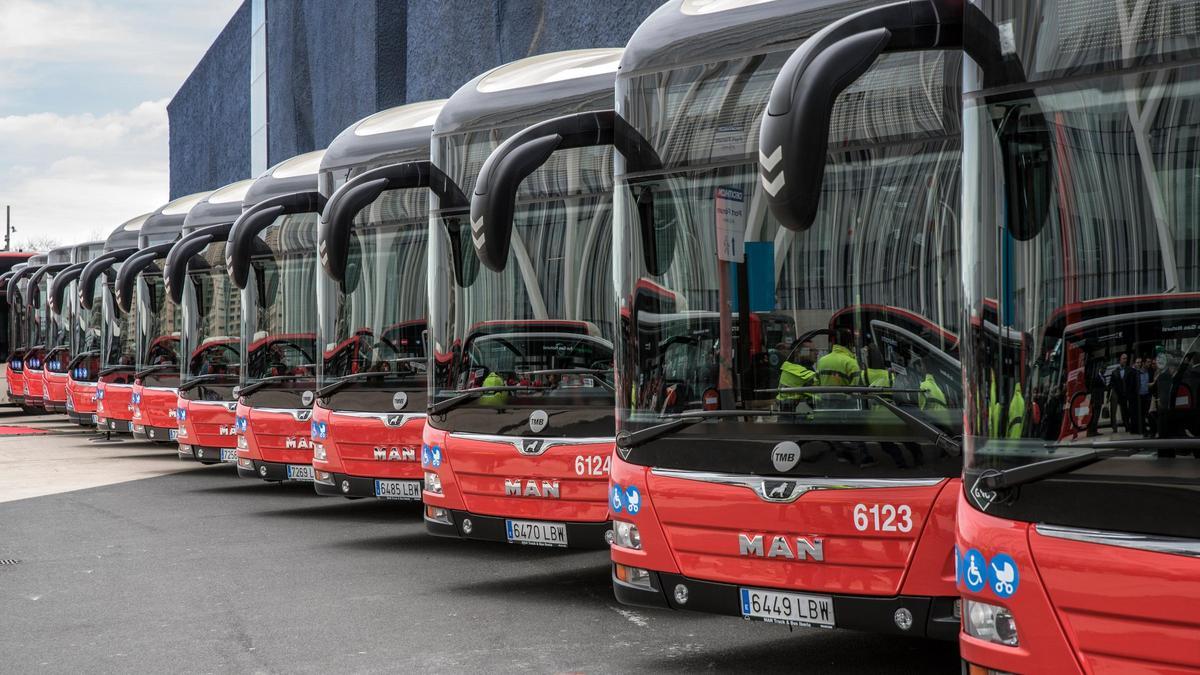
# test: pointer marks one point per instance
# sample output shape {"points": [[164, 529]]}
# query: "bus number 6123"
{"points": [[883, 518]]}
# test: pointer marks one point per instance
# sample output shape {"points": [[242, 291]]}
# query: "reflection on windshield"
{"points": [[376, 322], [547, 320], [212, 310], [1090, 331], [279, 339], [158, 324], [120, 344]]}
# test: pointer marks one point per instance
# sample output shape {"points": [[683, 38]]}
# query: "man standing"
{"points": [[1142, 368], [1123, 384]]}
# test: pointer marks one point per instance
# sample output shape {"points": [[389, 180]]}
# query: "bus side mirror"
{"points": [[58, 287], [94, 269], [176, 268], [131, 268]]}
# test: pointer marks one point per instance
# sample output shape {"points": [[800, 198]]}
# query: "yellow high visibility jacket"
{"points": [[795, 375], [495, 398], [838, 368], [1016, 414], [931, 397]]}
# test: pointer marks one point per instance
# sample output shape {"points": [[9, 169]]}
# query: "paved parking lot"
{"points": [[196, 570]]}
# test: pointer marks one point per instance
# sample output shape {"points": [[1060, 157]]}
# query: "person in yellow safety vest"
{"points": [[796, 373], [994, 411], [1016, 413], [495, 398], [876, 374], [839, 368], [931, 397]]}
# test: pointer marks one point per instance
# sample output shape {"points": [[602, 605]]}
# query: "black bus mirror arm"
{"points": [[245, 229], [493, 204], [58, 287], [131, 268], [97, 267], [35, 297], [176, 267]]}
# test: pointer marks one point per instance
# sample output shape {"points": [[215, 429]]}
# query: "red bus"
{"points": [[271, 257], [157, 361], [819, 491], [69, 330], [211, 309], [46, 332], [519, 433], [16, 329], [1077, 549], [369, 408]]}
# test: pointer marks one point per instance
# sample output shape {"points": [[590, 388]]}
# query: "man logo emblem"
{"points": [[306, 398], [538, 420], [531, 446], [399, 400], [785, 456]]}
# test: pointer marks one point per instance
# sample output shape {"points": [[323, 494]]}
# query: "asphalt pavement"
{"points": [[200, 571]]}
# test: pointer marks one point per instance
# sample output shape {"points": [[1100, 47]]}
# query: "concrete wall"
{"points": [[210, 114], [331, 63]]}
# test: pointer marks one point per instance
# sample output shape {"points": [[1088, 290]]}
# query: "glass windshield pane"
{"points": [[158, 322], [547, 321], [278, 340], [212, 312], [1088, 327], [727, 310], [121, 338], [376, 322]]}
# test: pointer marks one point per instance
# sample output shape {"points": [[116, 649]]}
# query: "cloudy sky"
{"points": [[84, 86]]}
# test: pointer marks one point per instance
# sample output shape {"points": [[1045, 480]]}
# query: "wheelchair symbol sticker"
{"points": [[1003, 577], [615, 501], [974, 570]]}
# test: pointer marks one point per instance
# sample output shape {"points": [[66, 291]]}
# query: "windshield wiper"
{"points": [[346, 380], [154, 369], [924, 427], [850, 390], [1097, 451], [632, 439], [199, 380], [467, 395], [113, 369], [259, 384]]}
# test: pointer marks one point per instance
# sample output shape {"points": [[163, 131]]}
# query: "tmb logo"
{"points": [[396, 454], [805, 548], [515, 487]]}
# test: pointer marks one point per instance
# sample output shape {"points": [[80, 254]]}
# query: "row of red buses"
{"points": [[833, 314]]}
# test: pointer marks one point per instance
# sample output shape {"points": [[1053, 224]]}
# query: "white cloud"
{"points": [[71, 176]]}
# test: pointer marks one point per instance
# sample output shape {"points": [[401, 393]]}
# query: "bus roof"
{"points": [[221, 206], [393, 135], [560, 83], [126, 234], [295, 174]]}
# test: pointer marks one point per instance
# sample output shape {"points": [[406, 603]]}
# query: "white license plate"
{"points": [[228, 454], [95, 418], [302, 472], [536, 532], [794, 609], [398, 489], [172, 434]]}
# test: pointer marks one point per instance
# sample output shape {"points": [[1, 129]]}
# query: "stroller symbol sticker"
{"points": [[974, 570], [633, 501], [1002, 575]]}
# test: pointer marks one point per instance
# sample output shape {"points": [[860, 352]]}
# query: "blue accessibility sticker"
{"points": [[1003, 577], [633, 501], [615, 499], [974, 570], [425, 459]]}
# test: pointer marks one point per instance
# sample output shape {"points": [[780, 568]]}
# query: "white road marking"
{"points": [[633, 617]]}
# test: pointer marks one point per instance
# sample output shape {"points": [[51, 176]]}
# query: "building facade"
{"points": [[310, 68]]}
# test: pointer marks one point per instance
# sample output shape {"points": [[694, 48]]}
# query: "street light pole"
{"points": [[7, 226]]}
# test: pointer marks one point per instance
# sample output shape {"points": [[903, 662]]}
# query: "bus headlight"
{"points": [[319, 452], [242, 444], [433, 483], [634, 576], [626, 535], [990, 622]]}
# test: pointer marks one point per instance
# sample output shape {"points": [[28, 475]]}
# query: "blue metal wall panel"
{"points": [[210, 114], [331, 63]]}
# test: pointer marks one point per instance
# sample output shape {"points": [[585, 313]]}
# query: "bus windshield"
{"points": [[1086, 329], [278, 338], [545, 325], [120, 342], [158, 323], [377, 322], [725, 310], [212, 315], [86, 333]]}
